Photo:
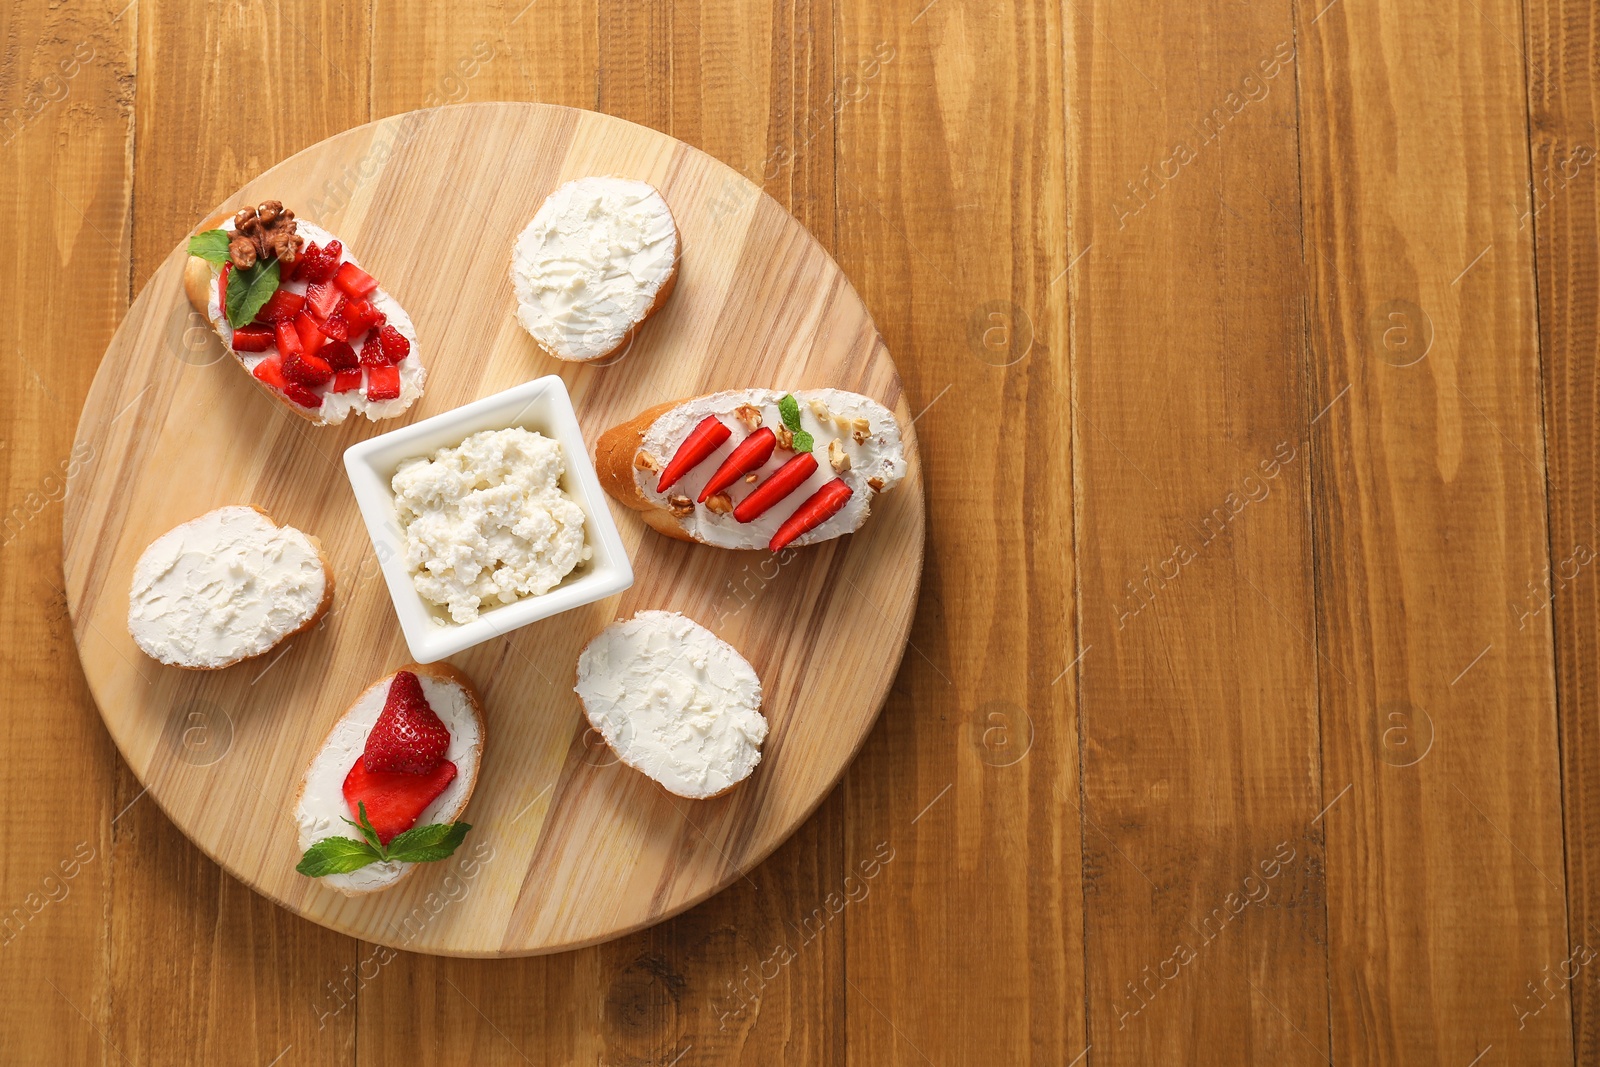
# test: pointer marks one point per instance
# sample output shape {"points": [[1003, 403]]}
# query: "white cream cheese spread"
{"points": [[487, 523], [323, 809], [223, 587], [589, 265], [674, 701]]}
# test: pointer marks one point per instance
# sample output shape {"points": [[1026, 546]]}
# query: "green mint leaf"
{"points": [[365, 826], [789, 408], [336, 855], [249, 289], [211, 246], [424, 844]]}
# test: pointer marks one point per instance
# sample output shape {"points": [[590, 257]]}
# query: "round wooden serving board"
{"points": [[568, 847]]}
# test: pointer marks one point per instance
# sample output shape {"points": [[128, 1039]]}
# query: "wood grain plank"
{"points": [[1563, 214], [64, 81], [965, 943], [1200, 779], [1444, 859], [718, 984], [301, 76]]}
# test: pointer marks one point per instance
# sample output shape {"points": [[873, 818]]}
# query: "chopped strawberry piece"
{"points": [[393, 344], [310, 334], [270, 371], [252, 338], [323, 299], [302, 396], [818, 508], [394, 801], [408, 736], [383, 383], [346, 381], [353, 280], [340, 355], [372, 352], [307, 369], [281, 306], [288, 339], [336, 327], [362, 316], [318, 264]]}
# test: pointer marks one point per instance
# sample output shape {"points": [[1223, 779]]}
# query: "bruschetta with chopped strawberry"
{"points": [[754, 468], [296, 310]]}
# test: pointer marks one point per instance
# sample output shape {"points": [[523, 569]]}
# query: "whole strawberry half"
{"points": [[408, 737]]}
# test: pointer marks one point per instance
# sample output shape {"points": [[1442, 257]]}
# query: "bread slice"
{"points": [[856, 439], [320, 808], [276, 583], [200, 285], [599, 258], [675, 702]]}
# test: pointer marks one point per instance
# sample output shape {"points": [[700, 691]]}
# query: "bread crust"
{"points": [[316, 617], [441, 672], [655, 305]]}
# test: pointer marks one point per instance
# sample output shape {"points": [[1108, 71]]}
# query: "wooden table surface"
{"points": [[1251, 709]]}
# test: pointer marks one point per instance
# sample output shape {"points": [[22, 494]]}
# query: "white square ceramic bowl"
{"points": [[542, 405]]}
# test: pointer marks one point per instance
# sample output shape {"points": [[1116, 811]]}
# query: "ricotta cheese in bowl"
{"points": [[487, 523]]}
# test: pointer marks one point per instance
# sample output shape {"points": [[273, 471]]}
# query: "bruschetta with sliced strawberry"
{"points": [[754, 468], [296, 310], [386, 789]]}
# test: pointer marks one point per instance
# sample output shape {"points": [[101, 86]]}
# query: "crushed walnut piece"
{"points": [[719, 503], [838, 458], [646, 461], [820, 410], [748, 414], [876, 483], [681, 506], [261, 232], [785, 438], [751, 477], [860, 430]]}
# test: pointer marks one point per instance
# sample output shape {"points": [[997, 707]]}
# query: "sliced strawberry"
{"points": [[288, 339], [222, 287], [383, 383], [362, 316], [345, 381], [311, 336], [393, 344], [818, 509], [323, 299], [408, 736], [751, 453], [703, 440], [302, 396], [394, 801], [335, 326], [779, 484], [281, 306], [340, 355], [307, 369], [256, 338], [353, 280]]}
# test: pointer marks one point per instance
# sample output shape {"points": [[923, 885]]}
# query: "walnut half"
{"points": [[748, 414]]}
